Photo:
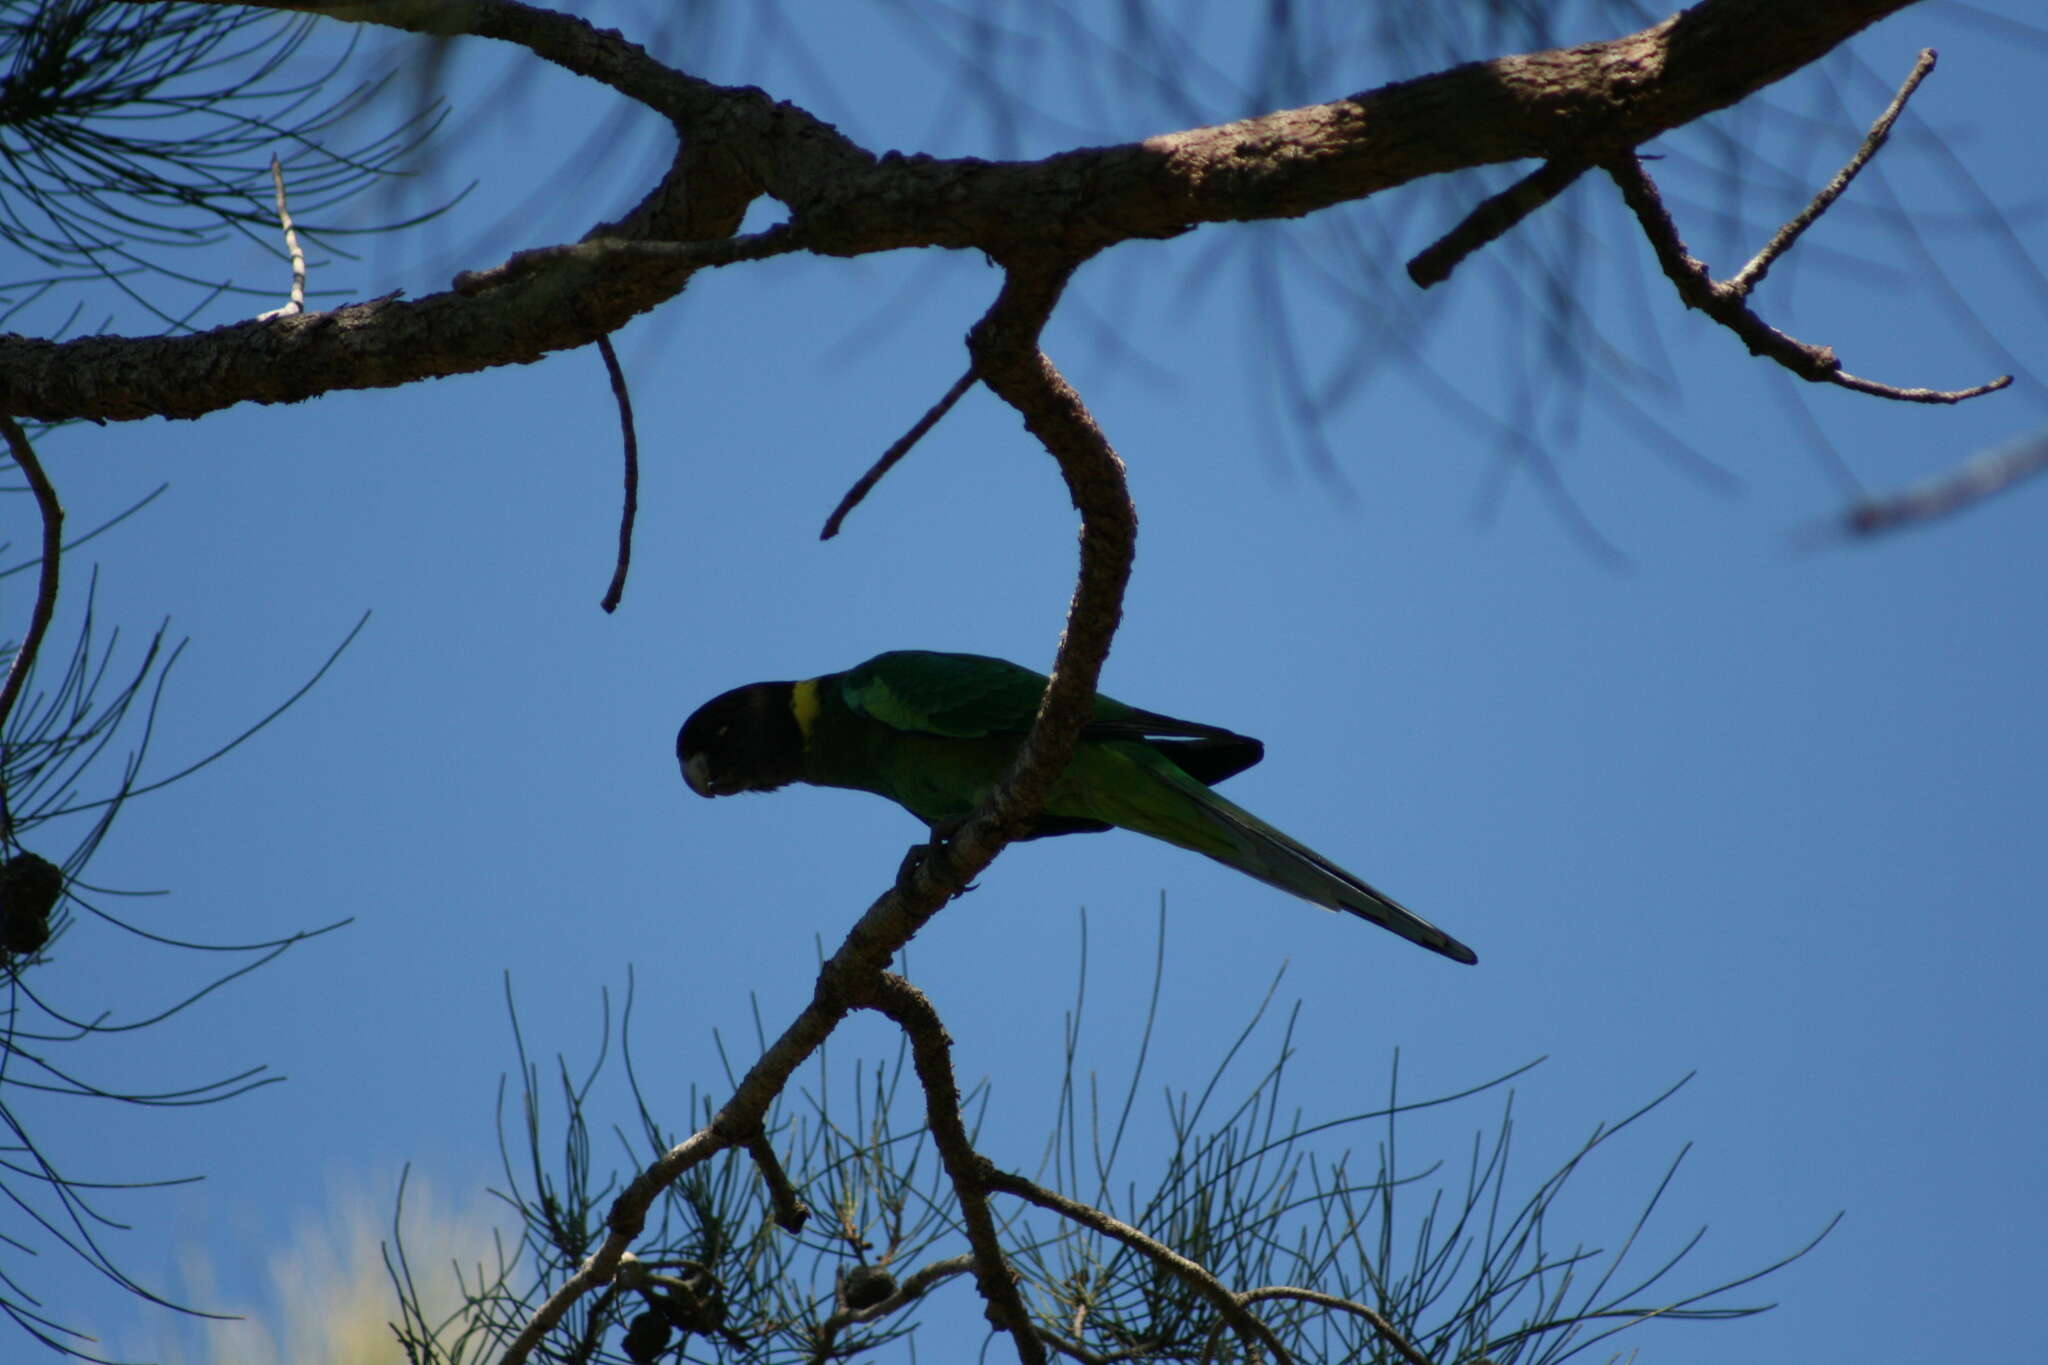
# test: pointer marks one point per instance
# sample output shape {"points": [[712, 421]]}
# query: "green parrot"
{"points": [[935, 733]]}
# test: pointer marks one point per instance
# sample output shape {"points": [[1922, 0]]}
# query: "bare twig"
{"points": [[791, 1213], [296, 304], [1074, 1350], [890, 457], [909, 1290], [1726, 305], [600, 1269], [46, 583], [630, 506], [1977, 478], [1491, 219], [1745, 279], [931, 1053], [1250, 1330]]}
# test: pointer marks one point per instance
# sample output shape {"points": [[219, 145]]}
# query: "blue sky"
{"points": [[1747, 805]]}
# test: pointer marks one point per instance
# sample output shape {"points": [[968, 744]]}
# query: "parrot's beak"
{"points": [[697, 773]]}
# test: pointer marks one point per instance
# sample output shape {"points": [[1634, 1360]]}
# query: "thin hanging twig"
{"points": [[630, 507]]}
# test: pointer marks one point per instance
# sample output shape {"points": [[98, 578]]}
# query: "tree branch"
{"points": [[931, 1053], [1585, 104], [1982, 476], [52, 513], [1721, 301], [1004, 345], [791, 1213], [910, 1289], [1747, 278], [1379, 1324], [1491, 219], [599, 252], [1249, 1329]]}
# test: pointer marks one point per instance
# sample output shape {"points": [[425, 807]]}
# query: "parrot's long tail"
{"points": [[1267, 854]]}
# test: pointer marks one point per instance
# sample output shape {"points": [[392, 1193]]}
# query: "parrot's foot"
{"points": [[917, 855], [913, 859]]}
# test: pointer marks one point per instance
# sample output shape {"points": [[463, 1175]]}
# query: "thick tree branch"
{"points": [[1575, 104], [931, 1052], [1585, 104], [1006, 356]]}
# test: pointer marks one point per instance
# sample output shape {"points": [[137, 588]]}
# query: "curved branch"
{"points": [[1253, 1332], [931, 1053], [1378, 1322], [46, 581], [629, 505], [1006, 356], [1005, 347]]}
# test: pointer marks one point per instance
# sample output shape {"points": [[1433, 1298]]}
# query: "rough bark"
{"points": [[1579, 104]]}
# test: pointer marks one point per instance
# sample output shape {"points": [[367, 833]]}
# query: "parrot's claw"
{"points": [[917, 855]]}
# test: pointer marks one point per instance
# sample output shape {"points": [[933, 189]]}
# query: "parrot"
{"points": [[935, 733]]}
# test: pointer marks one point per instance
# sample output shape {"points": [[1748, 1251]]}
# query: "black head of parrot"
{"points": [[743, 740]]}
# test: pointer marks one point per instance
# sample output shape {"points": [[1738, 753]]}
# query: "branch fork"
{"points": [[1727, 301]]}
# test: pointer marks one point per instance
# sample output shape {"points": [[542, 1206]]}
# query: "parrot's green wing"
{"points": [[973, 696], [959, 696]]}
